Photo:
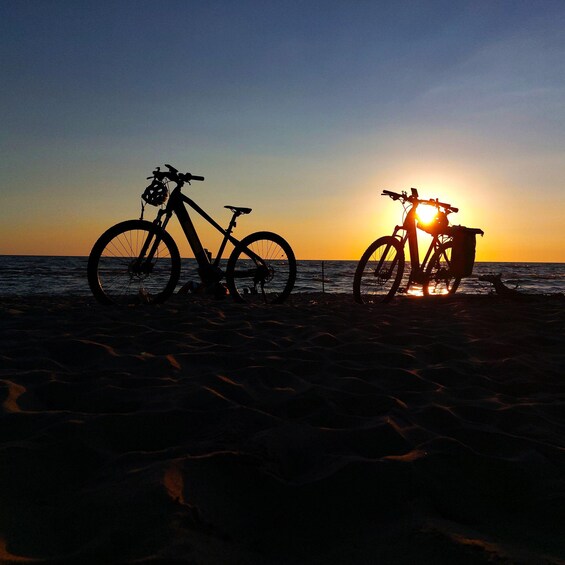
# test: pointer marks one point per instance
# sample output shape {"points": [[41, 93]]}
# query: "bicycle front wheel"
{"points": [[261, 268], [439, 279], [134, 262], [379, 272]]}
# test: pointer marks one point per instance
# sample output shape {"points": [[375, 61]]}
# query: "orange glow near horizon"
{"points": [[348, 241], [309, 150], [339, 226]]}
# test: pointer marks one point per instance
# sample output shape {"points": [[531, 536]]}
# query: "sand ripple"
{"points": [[319, 431]]}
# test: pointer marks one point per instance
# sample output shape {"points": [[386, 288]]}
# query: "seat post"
{"points": [[229, 229], [233, 222]]}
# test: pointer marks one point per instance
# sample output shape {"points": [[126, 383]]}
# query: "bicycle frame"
{"points": [[208, 270], [138, 261], [417, 271], [411, 236]]}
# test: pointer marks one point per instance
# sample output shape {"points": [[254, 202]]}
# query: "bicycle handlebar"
{"points": [[414, 199], [174, 175], [393, 195], [437, 203]]}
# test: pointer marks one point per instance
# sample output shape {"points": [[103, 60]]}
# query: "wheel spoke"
{"points": [[118, 274], [439, 280], [269, 278], [379, 271]]}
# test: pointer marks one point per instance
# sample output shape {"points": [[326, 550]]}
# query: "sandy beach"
{"points": [[319, 431]]}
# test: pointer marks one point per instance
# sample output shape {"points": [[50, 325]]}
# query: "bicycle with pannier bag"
{"points": [[380, 273]]}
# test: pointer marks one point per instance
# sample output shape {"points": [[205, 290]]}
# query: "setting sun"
{"points": [[269, 120], [426, 214]]}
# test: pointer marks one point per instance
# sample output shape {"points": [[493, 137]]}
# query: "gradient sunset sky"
{"points": [[303, 111]]}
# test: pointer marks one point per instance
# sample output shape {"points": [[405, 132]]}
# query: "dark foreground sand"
{"points": [[319, 431]]}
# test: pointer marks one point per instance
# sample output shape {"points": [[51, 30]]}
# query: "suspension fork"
{"points": [[387, 249], [151, 244]]}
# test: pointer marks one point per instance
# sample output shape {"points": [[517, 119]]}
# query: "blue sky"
{"points": [[302, 110]]}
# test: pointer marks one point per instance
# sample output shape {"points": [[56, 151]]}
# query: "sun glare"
{"points": [[426, 214]]}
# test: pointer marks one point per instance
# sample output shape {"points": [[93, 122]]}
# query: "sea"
{"points": [[22, 275]]}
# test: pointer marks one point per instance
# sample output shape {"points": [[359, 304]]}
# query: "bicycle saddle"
{"points": [[237, 210]]}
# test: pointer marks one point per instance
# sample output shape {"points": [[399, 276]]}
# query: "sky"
{"points": [[302, 110]]}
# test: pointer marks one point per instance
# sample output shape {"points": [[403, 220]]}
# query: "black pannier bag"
{"points": [[463, 253]]}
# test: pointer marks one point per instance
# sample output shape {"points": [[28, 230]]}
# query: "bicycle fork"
{"points": [[142, 264], [387, 274]]}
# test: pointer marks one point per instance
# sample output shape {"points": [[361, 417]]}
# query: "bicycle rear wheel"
{"points": [[379, 272], [261, 268], [133, 262], [439, 280]]}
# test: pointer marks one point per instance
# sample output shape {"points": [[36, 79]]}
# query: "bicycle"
{"points": [[449, 258], [138, 261]]}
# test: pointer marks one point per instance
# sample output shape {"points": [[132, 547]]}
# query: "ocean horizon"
{"points": [[66, 275]]}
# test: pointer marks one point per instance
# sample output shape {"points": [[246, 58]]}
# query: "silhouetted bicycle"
{"points": [[137, 261], [449, 258]]}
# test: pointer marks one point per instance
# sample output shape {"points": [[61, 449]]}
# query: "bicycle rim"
{"points": [[134, 263], [439, 280], [262, 268], [379, 271]]}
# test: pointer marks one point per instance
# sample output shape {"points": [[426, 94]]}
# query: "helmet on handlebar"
{"points": [[156, 193]]}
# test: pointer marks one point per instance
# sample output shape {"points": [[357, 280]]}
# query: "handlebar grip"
{"points": [[393, 195], [453, 209], [195, 177]]}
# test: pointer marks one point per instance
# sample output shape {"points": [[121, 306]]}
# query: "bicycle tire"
{"points": [[438, 280], [377, 278], [271, 281], [118, 275]]}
